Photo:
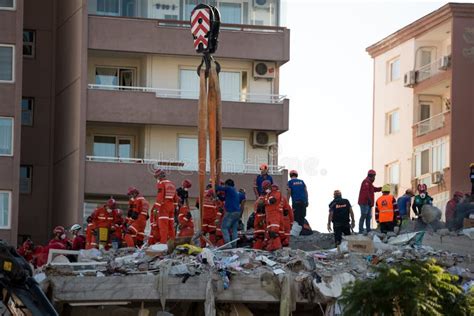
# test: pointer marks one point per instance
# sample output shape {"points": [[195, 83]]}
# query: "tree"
{"points": [[411, 288]]}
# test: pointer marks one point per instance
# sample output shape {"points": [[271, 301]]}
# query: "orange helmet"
{"points": [[187, 183], [263, 167]]}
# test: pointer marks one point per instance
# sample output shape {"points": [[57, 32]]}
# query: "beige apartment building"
{"points": [[96, 94], [423, 103]]}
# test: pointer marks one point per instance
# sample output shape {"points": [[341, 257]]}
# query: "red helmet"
{"points": [[111, 203], [132, 190], [293, 172], [422, 187], [371, 172], [209, 192], [263, 167], [266, 184], [59, 230], [186, 183], [458, 194], [160, 173], [275, 187]]}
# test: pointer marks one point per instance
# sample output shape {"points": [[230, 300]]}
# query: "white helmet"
{"points": [[75, 227]]}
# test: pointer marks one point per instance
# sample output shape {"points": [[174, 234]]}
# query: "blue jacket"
{"points": [[232, 198]]}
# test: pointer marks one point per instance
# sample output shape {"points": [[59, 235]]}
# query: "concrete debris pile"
{"points": [[288, 275]]}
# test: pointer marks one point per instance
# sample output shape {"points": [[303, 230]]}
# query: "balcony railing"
{"points": [[432, 69], [188, 94], [153, 164], [235, 13], [435, 122]]}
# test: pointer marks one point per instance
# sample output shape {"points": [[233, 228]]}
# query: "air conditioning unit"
{"points": [[409, 79], [264, 4], [260, 139], [437, 177], [444, 63], [264, 70]]}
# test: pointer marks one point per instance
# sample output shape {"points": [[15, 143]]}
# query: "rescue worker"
{"points": [[259, 224], [263, 176], [59, 240], [274, 215], [231, 218], [209, 216], [183, 192], [341, 216], [421, 199], [102, 219], [220, 203], [288, 219], [118, 228], [154, 236], [90, 240], [78, 240], [26, 250], [166, 203], [298, 193], [185, 222], [367, 200], [136, 218], [451, 209], [404, 207], [386, 211]]}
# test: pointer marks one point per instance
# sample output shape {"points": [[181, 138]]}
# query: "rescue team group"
{"points": [[223, 205]]}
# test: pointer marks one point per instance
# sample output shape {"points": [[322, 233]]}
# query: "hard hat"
{"points": [[263, 167], [386, 188], [132, 190], [75, 227], [458, 194], [111, 203], [186, 183], [266, 184], [210, 192], [59, 230], [371, 172], [422, 187], [275, 186], [293, 172], [160, 173]]}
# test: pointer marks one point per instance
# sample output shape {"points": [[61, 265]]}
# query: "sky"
{"points": [[329, 83]]}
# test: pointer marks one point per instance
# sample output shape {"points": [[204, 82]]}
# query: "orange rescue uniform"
{"points": [[138, 210], [273, 219], [166, 203]]}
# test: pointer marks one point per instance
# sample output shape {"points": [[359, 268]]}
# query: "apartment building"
{"points": [[423, 109], [96, 94]]}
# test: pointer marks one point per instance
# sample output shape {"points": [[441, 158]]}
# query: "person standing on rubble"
{"points": [[102, 219], [209, 216], [118, 227], [185, 219], [78, 240], [136, 218], [288, 219], [232, 211], [421, 199], [386, 211], [404, 206], [263, 176], [166, 203], [259, 224], [367, 200], [90, 232], [220, 203], [450, 213], [298, 193], [274, 216], [339, 212]]}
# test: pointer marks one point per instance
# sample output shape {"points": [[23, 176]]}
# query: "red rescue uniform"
{"points": [[259, 224], [166, 203], [186, 223], [273, 219], [138, 209], [102, 220], [209, 216], [219, 218], [288, 218], [90, 240], [118, 226]]}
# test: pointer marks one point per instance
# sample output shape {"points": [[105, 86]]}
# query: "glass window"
{"points": [[425, 161], [393, 122], [7, 4], [106, 76], [6, 62], [27, 111], [108, 7], [5, 207], [394, 173], [230, 83], [26, 173], [125, 148], [6, 136], [189, 84], [104, 146], [231, 13], [29, 38], [394, 70]]}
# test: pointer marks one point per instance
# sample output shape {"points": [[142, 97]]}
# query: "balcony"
{"points": [[112, 176], [178, 107], [431, 124], [432, 69], [432, 128]]}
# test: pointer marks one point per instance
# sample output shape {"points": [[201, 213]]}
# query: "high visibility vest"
{"points": [[385, 207]]}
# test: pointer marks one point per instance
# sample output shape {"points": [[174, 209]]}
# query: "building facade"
{"points": [[96, 94], [423, 109]]}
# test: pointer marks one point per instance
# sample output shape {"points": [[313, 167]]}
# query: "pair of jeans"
{"points": [[230, 222], [339, 230], [299, 208], [365, 216]]}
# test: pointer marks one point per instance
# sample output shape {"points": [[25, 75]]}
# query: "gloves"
{"points": [[272, 200], [134, 215], [273, 234], [285, 212], [129, 213], [189, 216]]}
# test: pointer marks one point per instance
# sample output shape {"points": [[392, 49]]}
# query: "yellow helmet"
{"points": [[386, 188]]}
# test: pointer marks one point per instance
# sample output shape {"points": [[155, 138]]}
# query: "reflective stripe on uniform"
{"points": [[274, 225], [164, 217]]}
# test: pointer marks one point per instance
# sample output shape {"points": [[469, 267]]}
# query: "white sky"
{"points": [[329, 83]]}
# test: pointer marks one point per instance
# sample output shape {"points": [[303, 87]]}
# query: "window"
{"points": [[26, 173], [6, 136], [431, 157], [394, 70], [229, 81], [393, 173], [6, 62], [439, 157], [113, 146], [108, 7], [7, 4], [29, 38], [27, 111], [393, 122], [233, 154], [109, 76], [231, 13], [5, 209]]}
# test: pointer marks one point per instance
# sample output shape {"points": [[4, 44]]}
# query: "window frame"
{"points": [[135, 71], [117, 139], [13, 8], [13, 137], [32, 103], [389, 168], [389, 68], [30, 186], [33, 45], [430, 146], [13, 63], [9, 210], [388, 122]]}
